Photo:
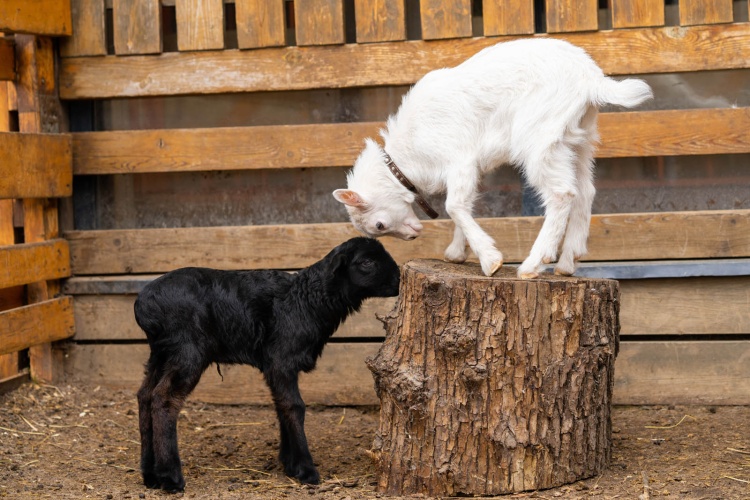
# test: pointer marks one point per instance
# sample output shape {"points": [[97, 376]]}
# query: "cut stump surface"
{"points": [[493, 385]]}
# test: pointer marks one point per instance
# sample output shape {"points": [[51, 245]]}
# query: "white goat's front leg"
{"points": [[459, 202], [456, 251]]}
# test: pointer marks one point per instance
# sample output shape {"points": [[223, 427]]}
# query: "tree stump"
{"points": [[494, 385]]}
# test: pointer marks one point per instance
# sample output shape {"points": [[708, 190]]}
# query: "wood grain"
{"points": [[508, 17], [260, 23], [445, 19], [632, 134], [319, 22], [7, 59], [637, 13], [35, 165], [200, 24], [649, 236], [137, 27], [705, 12], [39, 17], [89, 37], [32, 262], [40, 323], [618, 52], [572, 15], [380, 20]]}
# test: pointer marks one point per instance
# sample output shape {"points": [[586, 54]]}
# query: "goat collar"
{"points": [[408, 185]]}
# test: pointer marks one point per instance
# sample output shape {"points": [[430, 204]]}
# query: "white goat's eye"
{"points": [[379, 226]]}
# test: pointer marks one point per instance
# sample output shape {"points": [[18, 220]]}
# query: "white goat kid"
{"points": [[532, 103]]}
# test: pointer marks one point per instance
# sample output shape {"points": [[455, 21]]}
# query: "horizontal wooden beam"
{"points": [[35, 165], [647, 133], [36, 324], [36, 17], [33, 262], [647, 236], [619, 52], [699, 372], [649, 307], [7, 59]]}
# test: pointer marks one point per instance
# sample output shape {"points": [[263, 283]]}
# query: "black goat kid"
{"points": [[275, 321]]}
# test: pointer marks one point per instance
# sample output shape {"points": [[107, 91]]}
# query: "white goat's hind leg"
{"points": [[456, 251], [574, 246], [544, 250]]}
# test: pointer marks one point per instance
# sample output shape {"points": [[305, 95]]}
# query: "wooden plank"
{"points": [[694, 12], [665, 235], [260, 23], [632, 134], [445, 19], [508, 17], [319, 22], [572, 15], [31, 262], [35, 165], [39, 17], [7, 59], [380, 20], [341, 377], [698, 372], [200, 24], [9, 297], [35, 324], [685, 306], [110, 317], [619, 52], [637, 13], [137, 27], [89, 37]]}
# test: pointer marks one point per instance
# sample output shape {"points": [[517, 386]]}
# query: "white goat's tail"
{"points": [[627, 93]]}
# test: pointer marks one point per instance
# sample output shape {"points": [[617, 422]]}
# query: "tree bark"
{"points": [[494, 385]]}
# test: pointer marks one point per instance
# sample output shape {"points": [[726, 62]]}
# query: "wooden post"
{"points": [[494, 385]]}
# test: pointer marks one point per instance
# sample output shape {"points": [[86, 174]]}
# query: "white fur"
{"points": [[532, 103]]}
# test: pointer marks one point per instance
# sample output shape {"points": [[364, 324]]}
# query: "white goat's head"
{"points": [[377, 204]]}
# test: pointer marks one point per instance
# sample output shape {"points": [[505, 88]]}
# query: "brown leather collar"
{"points": [[408, 185]]}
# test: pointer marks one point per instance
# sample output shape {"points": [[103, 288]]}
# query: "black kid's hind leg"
{"points": [[145, 425]]}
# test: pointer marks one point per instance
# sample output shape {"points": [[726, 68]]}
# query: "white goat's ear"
{"points": [[350, 198]]}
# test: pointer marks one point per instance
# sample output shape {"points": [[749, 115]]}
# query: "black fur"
{"points": [[275, 321]]}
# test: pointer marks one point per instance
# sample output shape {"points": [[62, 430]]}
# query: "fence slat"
{"points": [[89, 38], [508, 17], [260, 23], [572, 15], [319, 22], [35, 165], [200, 24], [7, 59], [694, 12], [137, 27], [380, 20], [36, 324], [32, 262], [637, 13], [40, 17], [445, 19]]}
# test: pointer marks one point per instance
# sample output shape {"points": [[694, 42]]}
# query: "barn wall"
{"points": [[219, 146]]}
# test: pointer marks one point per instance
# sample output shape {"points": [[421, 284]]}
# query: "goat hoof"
{"points": [[174, 484], [528, 276], [496, 267], [151, 481], [305, 474], [563, 272]]}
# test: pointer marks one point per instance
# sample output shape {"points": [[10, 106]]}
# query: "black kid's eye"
{"points": [[379, 226]]}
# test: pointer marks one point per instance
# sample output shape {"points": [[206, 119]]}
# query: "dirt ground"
{"points": [[81, 441]]}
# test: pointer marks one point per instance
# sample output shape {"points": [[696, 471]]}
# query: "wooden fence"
{"points": [[685, 339], [35, 169]]}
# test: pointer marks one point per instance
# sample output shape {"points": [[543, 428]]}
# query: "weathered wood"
{"points": [[319, 22], [36, 324], [637, 13], [572, 15], [380, 20], [9, 297], [508, 17], [445, 19], [705, 12], [621, 52], [200, 24], [31, 262], [7, 59], [494, 385], [39, 17], [260, 23], [89, 36], [35, 165], [633, 134], [341, 377], [666, 235], [137, 27]]}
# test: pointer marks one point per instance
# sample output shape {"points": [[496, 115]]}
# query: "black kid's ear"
{"points": [[338, 264]]}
